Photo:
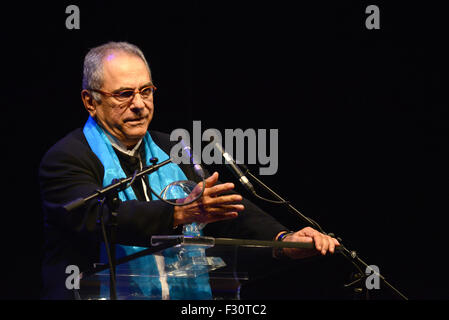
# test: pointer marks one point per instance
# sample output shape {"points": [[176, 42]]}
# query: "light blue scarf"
{"points": [[144, 286]]}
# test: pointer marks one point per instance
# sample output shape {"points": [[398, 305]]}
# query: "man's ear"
{"points": [[89, 102]]}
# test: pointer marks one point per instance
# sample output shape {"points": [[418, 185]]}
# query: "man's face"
{"points": [[128, 121]]}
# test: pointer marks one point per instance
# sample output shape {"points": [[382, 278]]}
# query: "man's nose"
{"points": [[137, 103]]}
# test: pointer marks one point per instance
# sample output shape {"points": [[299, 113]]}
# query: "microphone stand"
{"points": [[351, 255], [109, 196]]}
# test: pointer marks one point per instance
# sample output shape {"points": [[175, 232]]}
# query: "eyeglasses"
{"points": [[128, 94]]}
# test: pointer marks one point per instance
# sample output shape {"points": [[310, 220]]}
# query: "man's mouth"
{"points": [[135, 120]]}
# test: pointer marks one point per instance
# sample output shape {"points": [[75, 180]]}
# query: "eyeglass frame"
{"points": [[117, 95]]}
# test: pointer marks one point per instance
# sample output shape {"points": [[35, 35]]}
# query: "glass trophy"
{"points": [[188, 259]]}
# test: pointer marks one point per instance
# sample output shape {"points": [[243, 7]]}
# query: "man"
{"points": [[118, 94]]}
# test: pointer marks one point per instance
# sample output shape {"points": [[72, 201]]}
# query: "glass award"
{"points": [[188, 258]]}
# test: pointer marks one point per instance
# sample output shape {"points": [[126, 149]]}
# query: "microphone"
{"points": [[187, 151], [232, 166]]}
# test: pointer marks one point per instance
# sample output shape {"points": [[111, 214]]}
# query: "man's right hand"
{"points": [[212, 206]]}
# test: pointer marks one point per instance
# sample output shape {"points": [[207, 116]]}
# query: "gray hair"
{"points": [[93, 63]]}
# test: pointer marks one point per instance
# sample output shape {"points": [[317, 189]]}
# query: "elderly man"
{"points": [[118, 93]]}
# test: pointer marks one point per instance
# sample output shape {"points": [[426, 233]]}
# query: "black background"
{"points": [[362, 114]]}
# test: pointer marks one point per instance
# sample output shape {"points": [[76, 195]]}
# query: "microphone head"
{"points": [[234, 168], [191, 158], [219, 147], [228, 158]]}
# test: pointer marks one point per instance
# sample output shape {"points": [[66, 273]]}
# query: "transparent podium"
{"points": [[187, 259]]}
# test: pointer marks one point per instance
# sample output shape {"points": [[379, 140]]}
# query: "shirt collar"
{"points": [[134, 152]]}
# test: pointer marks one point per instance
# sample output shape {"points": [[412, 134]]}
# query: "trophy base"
{"points": [[194, 266]]}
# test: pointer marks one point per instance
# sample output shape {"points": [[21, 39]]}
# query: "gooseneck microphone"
{"points": [[232, 165], [191, 158]]}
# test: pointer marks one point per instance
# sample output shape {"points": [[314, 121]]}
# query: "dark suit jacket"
{"points": [[70, 170]]}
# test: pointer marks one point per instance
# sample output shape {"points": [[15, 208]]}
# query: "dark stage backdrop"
{"points": [[362, 115]]}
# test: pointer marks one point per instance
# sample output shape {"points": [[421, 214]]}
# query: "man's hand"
{"points": [[212, 206], [323, 243]]}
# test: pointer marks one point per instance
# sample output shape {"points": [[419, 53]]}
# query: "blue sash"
{"points": [[148, 287]]}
